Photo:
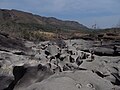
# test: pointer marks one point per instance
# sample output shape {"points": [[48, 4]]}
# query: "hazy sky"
{"points": [[105, 13]]}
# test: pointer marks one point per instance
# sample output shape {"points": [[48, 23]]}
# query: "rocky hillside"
{"points": [[14, 20], [25, 17]]}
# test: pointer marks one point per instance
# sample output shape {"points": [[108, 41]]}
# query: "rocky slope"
{"points": [[16, 19]]}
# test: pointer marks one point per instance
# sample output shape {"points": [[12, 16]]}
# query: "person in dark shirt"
{"points": [[115, 49]]}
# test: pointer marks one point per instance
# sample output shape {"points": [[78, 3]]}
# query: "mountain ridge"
{"points": [[26, 17], [30, 26]]}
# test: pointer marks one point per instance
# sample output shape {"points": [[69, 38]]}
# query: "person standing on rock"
{"points": [[115, 49], [92, 56]]}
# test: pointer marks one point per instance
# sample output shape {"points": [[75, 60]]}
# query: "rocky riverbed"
{"points": [[61, 65]]}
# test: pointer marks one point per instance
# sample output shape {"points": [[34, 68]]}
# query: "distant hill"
{"points": [[36, 22], [16, 22]]}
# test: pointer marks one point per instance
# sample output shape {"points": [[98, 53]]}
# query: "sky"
{"points": [[104, 13]]}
